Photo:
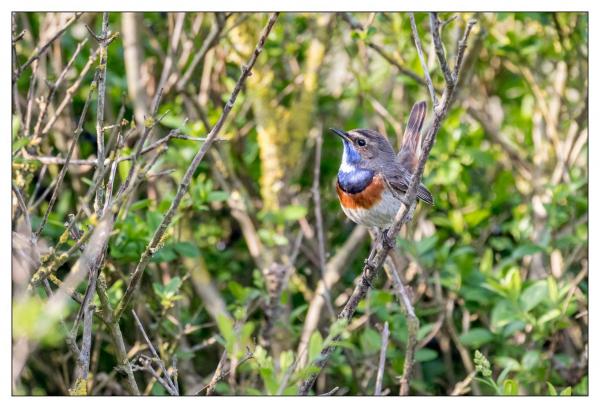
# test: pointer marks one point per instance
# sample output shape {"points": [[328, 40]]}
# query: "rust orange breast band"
{"points": [[366, 199]]}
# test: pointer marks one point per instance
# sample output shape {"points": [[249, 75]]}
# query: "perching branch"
{"points": [[383, 244], [183, 187]]}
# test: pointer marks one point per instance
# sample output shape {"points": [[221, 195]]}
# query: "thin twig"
{"points": [[380, 50], [222, 375], [171, 385], [330, 392], [63, 171], [40, 50], [117, 336], [208, 43], [53, 88], [70, 92], [101, 82], [316, 193], [385, 334], [417, 40], [435, 25], [183, 187], [413, 328], [218, 372]]}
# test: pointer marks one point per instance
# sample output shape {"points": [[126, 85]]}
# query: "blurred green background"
{"points": [[498, 265]]}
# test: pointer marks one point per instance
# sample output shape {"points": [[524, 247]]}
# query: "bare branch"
{"points": [[63, 171], [385, 334], [208, 43], [40, 50], [417, 40], [222, 374], [70, 92], [183, 187], [218, 372], [435, 25], [101, 81], [413, 327], [316, 193], [53, 88], [171, 385]]}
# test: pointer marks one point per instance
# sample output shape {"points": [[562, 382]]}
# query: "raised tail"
{"points": [[407, 156]]}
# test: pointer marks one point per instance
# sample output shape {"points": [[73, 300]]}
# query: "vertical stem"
{"points": [[385, 334], [100, 110]]}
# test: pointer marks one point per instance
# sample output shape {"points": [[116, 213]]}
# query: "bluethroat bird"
{"points": [[372, 180]]}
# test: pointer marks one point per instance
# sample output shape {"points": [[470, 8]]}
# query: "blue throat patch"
{"points": [[351, 178]]}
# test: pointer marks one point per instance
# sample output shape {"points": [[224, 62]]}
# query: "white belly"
{"points": [[380, 215]]}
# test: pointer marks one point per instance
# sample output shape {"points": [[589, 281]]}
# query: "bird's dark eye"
{"points": [[361, 142]]}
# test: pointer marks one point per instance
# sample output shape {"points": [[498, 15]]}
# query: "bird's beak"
{"points": [[340, 133]]}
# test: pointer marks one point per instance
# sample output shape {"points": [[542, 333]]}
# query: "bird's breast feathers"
{"points": [[374, 206]]}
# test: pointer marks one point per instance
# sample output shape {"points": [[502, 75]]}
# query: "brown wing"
{"points": [[399, 182], [407, 156]]}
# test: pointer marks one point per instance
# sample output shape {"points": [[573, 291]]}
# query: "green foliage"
{"points": [[497, 268]]}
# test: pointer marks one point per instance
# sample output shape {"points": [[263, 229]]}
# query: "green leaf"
{"points": [[513, 281], [476, 337], [502, 314], [546, 317], [566, 392], [425, 354], [215, 196], [531, 359], [20, 143], [475, 217], [552, 289], [526, 249], [225, 325], [187, 249], [173, 285], [370, 341], [487, 261], [294, 212], [315, 344], [510, 387], [533, 295], [551, 389]]}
